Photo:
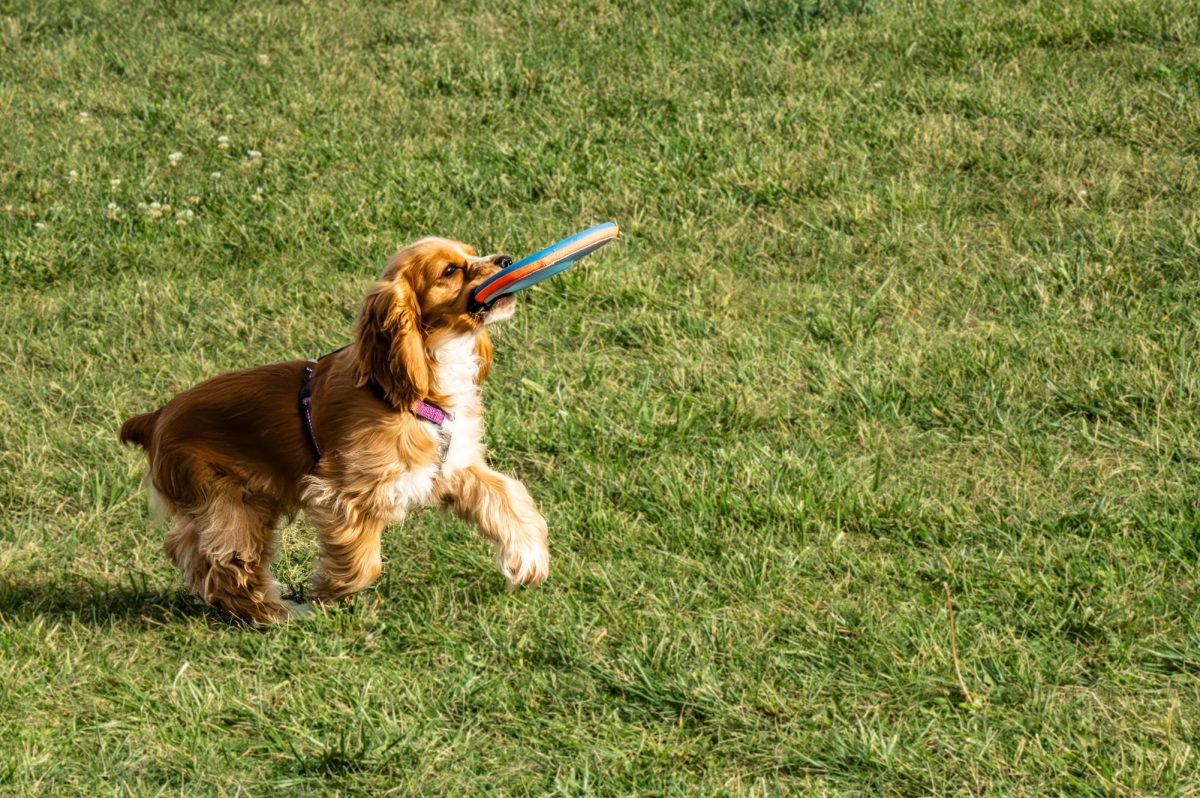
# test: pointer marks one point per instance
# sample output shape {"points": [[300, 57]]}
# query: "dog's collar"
{"points": [[431, 412]]}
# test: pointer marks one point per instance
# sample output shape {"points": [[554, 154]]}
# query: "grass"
{"points": [[906, 297]]}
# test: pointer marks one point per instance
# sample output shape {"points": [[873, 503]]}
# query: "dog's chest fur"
{"points": [[459, 440]]}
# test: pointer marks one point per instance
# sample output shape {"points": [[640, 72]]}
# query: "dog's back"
{"points": [[242, 428]]}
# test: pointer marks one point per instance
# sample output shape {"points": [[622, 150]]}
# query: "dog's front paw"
{"points": [[525, 560]]}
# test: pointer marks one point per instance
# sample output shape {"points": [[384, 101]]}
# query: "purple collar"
{"points": [[431, 412]]}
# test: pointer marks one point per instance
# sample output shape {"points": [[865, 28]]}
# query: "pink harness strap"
{"points": [[431, 412]]}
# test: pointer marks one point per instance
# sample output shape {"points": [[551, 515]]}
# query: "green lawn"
{"points": [[907, 296]]}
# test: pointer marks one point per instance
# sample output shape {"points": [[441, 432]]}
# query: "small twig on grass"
{"points": [[962, 685]]}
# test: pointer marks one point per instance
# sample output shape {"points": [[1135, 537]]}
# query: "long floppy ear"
{"points": [[483, 351], [391, 348]]}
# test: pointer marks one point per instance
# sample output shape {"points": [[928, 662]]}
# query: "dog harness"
{"points": [[422, 409]]}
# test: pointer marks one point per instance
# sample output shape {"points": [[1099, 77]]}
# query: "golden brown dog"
{"points": [[235, 454]]}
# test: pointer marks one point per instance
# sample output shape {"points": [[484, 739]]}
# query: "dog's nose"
{"points": [[502, 261]]}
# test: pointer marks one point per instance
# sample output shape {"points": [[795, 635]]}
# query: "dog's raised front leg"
{"points": [[505, 513]]}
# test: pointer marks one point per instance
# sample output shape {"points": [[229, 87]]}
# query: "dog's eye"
{"points": [[451, 269]]}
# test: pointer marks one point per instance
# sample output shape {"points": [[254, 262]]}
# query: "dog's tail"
{"points": [[139, 429]]}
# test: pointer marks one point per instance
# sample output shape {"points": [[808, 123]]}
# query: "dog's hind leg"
{"points": [[224, 551], [182, 548]]}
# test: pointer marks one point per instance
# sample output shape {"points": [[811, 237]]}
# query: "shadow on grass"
{"points": [[71, 597]]}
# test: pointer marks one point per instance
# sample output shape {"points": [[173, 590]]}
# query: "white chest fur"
{"points": [[455, 371], [459, 439]]}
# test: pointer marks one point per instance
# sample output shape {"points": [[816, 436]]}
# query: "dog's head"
{"points": [[424, 293]]}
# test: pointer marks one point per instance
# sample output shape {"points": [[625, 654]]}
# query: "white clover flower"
{"points": [[72, 174], [113, 211], [257, 196], [223, 142], [83, 116], [39, 225], [264, 59], [155, 205], [215, 176], [252, 154], [115, 182], [175, 158], [195, 200]]}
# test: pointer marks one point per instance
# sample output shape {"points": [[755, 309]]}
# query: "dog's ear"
{"points": [[390, 344], [483, 351]]}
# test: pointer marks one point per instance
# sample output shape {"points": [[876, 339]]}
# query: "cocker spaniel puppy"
{"points": [[358, 438]]}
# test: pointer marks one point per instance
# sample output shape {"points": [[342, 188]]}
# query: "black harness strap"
{"points": [[306, 398], [306, 408]]}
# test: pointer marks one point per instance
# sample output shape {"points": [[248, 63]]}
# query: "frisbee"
{"points": [[544, 263]]}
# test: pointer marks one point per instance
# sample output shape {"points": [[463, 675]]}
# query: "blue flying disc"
{"points": [[544, 263]]}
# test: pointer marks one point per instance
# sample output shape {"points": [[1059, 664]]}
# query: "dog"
{"points": [[391, 422]]}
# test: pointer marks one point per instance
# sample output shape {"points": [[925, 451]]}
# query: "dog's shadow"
{"points": [[97, 603], [137, 601]]}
